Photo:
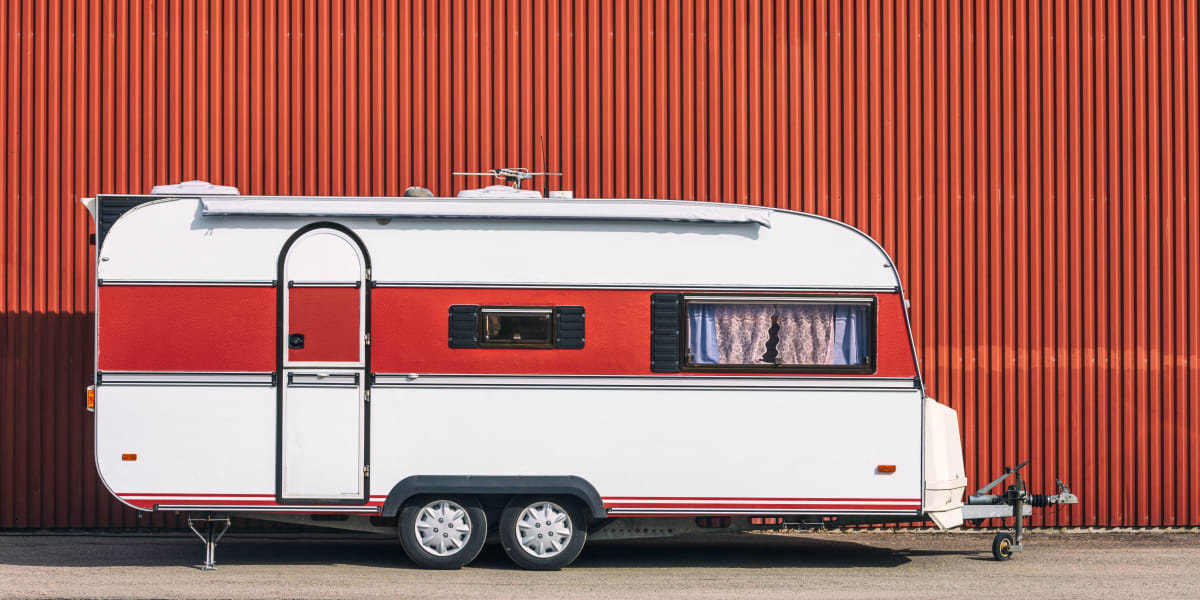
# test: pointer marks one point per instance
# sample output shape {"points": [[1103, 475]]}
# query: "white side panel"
{"points": [[199, 440], [322, 442], [693, 443], [656, 254], [325, 256], [173, 240]]}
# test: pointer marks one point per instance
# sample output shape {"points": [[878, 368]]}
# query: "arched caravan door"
{"points": [[323, 354]]}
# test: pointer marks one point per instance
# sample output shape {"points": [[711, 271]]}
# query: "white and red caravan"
{"points": [[534, 368]]}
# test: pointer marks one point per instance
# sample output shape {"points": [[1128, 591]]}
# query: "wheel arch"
{"points": [[495, 485]]}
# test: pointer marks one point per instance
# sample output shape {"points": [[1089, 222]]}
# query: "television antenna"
{"points": [[512, 175]]}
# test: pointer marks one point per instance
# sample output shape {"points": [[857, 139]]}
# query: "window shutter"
{"points": [[464, 326], [664, 332], [570, 327]]}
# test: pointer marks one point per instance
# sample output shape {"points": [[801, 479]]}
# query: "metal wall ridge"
{"points": [[1033, 167]]}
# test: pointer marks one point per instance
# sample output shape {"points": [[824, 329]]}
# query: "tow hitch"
{"points": [[1015, 502]]}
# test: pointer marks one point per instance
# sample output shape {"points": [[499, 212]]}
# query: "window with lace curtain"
{"points": [[827, 334]]}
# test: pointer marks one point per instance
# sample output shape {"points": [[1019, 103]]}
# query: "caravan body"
{"points": [[643, 359]]}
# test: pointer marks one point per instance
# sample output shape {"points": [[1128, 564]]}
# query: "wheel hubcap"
{"points": [[443, 527], [544, 529]]}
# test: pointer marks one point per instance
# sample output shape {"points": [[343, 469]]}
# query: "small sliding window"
{"points": [[516, 327], [828, 334]]}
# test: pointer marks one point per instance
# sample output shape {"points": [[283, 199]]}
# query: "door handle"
{"points": [[295, 341], [342, 380]]}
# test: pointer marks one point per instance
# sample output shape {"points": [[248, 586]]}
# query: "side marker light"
{"points": [[129, 456], [885, 469]]}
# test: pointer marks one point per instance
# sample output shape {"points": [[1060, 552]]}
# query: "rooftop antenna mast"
{"points": [[511, 175], [546, 166]]}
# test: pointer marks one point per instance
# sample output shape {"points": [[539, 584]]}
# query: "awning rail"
{"points": [[533, 208]]}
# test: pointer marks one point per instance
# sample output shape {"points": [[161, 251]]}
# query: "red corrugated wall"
{"points": [[1032, 166]]}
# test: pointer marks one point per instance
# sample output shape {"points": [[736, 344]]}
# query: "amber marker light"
{"points": [[885, 469], [91, 398], [129, 456]]}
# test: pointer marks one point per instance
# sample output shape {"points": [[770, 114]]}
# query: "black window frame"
{"points": [[685, 353], [518, 310]]}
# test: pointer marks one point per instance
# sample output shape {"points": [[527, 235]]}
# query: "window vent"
{"points": [[570, 327], [664, 332], [464, 326]]}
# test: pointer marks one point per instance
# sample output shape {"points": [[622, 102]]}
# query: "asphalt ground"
{"points": [[759, 565]]}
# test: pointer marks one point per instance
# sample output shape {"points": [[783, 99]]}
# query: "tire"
{"points": [[454, 548], [1002, 546], [549, 519]]}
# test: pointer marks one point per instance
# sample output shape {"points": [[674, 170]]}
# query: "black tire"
{"points": [[1002, 546], [525, 558], [426, 558]]}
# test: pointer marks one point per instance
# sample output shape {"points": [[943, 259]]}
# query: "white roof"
{"points": [[506, 208], [565, 243]]}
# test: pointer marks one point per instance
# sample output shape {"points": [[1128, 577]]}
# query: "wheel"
{"points": [[1002, 546], [542, 534], [442, 533]]}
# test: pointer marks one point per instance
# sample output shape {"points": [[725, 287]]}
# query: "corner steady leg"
{"points": [[209, 535]]}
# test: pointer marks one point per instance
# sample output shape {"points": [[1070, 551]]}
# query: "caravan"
{"points": [[537, 370]]}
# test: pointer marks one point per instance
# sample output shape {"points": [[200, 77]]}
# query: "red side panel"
{"points": [[410, 328], [167, 328], [186, 328], [893, 346], [329, 319]]}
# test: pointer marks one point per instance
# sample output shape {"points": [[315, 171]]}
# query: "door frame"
{"points": [[281, 288]]}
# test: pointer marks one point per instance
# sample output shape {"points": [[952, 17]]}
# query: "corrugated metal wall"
{"points": [[1032, 166]]}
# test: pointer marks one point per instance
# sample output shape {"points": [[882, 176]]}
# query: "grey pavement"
{"points": [[759, 565]]}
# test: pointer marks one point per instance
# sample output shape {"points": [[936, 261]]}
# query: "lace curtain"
{"points": [[806, 334], [742, 332]]}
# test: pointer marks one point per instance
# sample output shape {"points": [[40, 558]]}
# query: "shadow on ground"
{"points": [[747, 551]]}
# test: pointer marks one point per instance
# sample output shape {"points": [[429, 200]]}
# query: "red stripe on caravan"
{"points": [[726, 507], [718, 513], [172, 495], [679, 503], [199, 501], [409, 333], [719, 499], [209, 328], [171, 500], [186, 328]]}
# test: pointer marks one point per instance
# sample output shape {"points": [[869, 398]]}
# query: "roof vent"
{"points": [[194, 188], [499, 191]]}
